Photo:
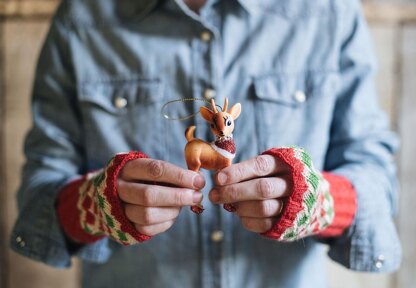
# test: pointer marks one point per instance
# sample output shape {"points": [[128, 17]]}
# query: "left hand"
{"points": [[256, 188]]}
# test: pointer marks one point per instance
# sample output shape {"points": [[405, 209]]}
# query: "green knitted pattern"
{"points": [[95, 209], [317, 212]]}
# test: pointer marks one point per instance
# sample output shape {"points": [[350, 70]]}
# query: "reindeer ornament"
{"points": [[218, 154]]}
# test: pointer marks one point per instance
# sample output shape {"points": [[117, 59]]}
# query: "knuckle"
{"points": [[128, 211], [148, 216], [149, 196], [235, 173], [121, 191], [266, 208], [282, 185], [119, 183], [232, 194], [239, 172], [261, 165], [180, 198], [181, 176], [124, 171], [155, 169], [265, 189]]}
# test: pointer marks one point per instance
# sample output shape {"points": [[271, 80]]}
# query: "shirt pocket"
{"points": [[295, 109], [122, 115]]}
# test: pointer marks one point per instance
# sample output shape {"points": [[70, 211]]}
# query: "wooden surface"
{"points": [[23, 24], [390, 11], [28, 8], [22, 46], [3, 206], [407, 126]]}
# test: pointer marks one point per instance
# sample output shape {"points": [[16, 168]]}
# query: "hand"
{"points": [[256, 188], [153, 208]]}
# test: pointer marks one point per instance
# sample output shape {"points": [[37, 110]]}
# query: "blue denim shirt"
{"points": [[303, 71]]}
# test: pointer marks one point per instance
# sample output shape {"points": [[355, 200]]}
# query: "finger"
{"points": [[151, 230], [259, 209], [256, 189], [150, 215], [161, 171], [260, 166], [257, 225], [156, 196]]}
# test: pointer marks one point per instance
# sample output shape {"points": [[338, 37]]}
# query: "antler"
{"points": [[224, 109], [214, 108]]}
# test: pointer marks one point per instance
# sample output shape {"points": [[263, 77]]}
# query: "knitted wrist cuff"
{"points": [[309, 208], [69, 215], [98, 206], [345, 205]]}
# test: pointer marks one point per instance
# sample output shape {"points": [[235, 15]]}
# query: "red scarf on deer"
{"points": [[225, 146]]}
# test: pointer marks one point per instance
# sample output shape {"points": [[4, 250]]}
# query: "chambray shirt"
{"points": [[303, 71]]}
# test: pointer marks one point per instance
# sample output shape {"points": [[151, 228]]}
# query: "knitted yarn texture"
{"points": [[98, 210], [309, 209]]}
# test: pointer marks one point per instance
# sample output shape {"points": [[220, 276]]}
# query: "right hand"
{"points": [[154, 191]]}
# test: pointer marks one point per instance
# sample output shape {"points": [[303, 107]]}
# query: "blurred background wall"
{"points": [[23, 24]]}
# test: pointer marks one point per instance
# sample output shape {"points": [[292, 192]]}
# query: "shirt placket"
{"points": [[206, 85]]}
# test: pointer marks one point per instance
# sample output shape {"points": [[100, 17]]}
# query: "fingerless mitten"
{"points": [[322, 204], [90, 209]]}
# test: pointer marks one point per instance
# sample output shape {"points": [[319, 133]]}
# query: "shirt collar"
{"points": [[248, 5], [149, 5]]}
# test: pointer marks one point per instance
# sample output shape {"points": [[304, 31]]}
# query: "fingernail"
{"points": [[214, 195], [222, 178], [199, 182], [197, 197]]}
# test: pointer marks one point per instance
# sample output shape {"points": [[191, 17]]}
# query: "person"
{"points": [[105, 178]]}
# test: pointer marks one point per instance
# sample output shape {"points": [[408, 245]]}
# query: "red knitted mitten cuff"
{"points": [[345, 205], [90, 209], [310, 209]]}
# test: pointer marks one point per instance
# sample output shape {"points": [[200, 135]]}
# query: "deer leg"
{"points": [[193, 164]]}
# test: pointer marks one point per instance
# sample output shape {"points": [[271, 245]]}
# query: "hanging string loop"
{"points": [[183, 100]]}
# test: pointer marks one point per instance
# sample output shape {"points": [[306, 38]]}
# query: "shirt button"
{"points": [[217, 236], [120, 102], [209, 94], [19, 240], [379, 262], [205, 36], [300, 96]]}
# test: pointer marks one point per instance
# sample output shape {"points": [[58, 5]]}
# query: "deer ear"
{"points": [[206, 113], [235, 111]]}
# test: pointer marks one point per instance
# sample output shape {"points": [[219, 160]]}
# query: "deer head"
{"points": [[222, 122]]}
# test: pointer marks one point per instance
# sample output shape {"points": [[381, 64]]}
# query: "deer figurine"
{"points": [[218, 154]]}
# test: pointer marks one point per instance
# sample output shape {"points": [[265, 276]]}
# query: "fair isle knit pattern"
{"points": [[101, 212], [310, 207]]}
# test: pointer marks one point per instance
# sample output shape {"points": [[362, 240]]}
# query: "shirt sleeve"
{"points": [[54, 156], [361, 149]]}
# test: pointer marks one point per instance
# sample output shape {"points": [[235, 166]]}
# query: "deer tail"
{"points": [[189, 133]]}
